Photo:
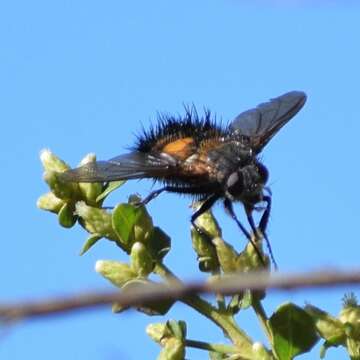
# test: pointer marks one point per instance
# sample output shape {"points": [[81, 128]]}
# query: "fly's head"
{"points": [[246, 184]]}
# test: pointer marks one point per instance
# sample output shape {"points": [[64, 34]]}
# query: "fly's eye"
{"points": [[235, 184], [263, 173]]}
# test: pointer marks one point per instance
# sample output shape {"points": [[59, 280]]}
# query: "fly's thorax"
{"points": [[246, 183], [228, 158]]}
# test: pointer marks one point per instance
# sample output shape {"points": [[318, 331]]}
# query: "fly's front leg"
{"points": [[262, 226], [230, 210], [266, 214], [174, 189], [248, 211]]}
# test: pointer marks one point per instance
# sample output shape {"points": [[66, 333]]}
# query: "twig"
{"points": [[228, 285], [219, 348]]}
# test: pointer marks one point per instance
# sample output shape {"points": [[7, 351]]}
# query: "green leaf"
{"points": [[66, 215], [91, 241], [159, 243], [109, 189], [293, 331], [124, 218]]}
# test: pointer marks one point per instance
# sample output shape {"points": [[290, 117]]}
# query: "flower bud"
{"points": [[226, 255], [51, 162], [328, 327], [350, 317], [90, 191], [141, 260], [171, 336], [205, 251], [50, 202], [208, 223], [95, 220], [157, 331], [143, 226], [151, 307], [174, 349], [259, 352], [65, 191], [350, 314], [248, 259], [116, 272]]}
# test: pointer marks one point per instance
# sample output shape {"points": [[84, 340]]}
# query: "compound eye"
{"points": [[235, 184], [263, 172]]}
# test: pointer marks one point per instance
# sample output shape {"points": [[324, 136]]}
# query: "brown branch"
{"points": [[228, 285]]}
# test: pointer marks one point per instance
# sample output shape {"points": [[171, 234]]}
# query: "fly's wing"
{"points": [[134, 165], [263, 122]]}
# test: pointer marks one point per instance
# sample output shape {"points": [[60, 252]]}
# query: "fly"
{"points": [[193, 155]]}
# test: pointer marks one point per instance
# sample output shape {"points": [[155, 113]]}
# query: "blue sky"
{"points": [[80, 77]]}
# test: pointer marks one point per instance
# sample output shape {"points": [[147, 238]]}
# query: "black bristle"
{"points": [[172, 127]]}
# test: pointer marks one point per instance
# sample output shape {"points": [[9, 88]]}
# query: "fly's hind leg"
{"points": [[152, 196]]}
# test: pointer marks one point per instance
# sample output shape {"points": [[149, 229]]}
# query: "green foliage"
{"points": [[290, 330], [293, 331]]}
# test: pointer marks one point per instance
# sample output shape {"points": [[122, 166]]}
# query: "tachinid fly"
{"points": [[193, 155]]}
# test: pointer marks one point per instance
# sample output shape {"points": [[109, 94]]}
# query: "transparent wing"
{"points": [[263, 122], [133, 165]]}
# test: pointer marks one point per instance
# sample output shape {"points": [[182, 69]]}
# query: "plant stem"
{"points": [[220, 298], [222, 319], [219, 348], [261, 315]]}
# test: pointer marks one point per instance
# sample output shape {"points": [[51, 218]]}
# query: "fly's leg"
{"points": [[266, 214], [205, 206], [230, 210], [262, 226], [248, 211], [174, 189], [152, 196]]}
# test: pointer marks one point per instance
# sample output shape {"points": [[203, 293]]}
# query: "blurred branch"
{"points": [[229, 285]]}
